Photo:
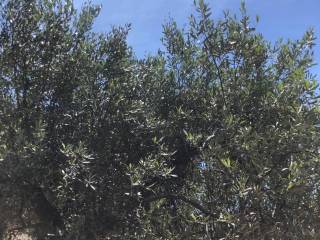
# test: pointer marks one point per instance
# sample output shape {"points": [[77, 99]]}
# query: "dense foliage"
{"points": [[214, 138]]}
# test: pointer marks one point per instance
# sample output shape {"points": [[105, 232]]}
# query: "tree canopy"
{"points": [[215, 137]]}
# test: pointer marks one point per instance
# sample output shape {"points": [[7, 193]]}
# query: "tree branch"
{"points": [[213, 57], [191, 202]]}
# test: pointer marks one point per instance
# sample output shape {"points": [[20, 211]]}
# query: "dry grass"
{"points": [[22, 236]]}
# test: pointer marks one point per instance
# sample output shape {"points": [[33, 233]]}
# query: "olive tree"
{"points": [[216, 137]]}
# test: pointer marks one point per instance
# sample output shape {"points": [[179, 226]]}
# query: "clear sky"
{"points": [[278, 18]]}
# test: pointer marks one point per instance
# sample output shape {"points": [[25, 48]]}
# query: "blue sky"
{"points": [[278, 18]]}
